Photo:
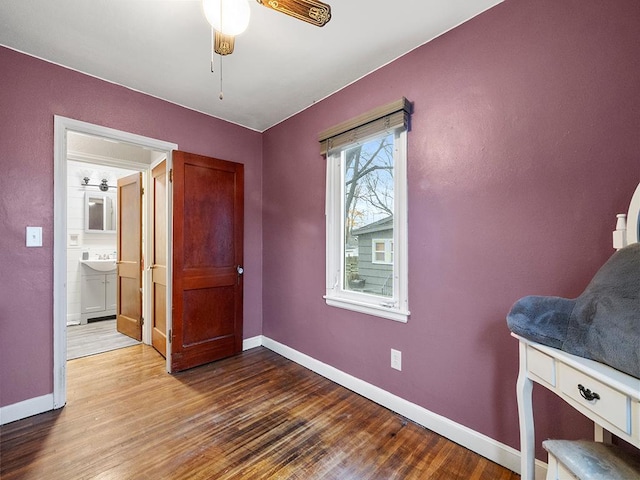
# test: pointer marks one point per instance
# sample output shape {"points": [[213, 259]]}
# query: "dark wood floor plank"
{"points": [[255, 416]]}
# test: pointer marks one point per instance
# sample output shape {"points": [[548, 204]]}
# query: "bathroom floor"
{"points": [[96, 337]]}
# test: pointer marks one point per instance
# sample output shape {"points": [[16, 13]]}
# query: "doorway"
{"points": [[153, 153], [92, 244]]}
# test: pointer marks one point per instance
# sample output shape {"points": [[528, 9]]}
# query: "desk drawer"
{"points": [[612, 405], [541, 365]]}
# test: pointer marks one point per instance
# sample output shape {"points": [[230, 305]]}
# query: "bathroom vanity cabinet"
{"points": [[98, 296]]}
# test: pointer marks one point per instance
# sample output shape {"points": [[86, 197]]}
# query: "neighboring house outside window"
{"points": [[367, 214], [375, 257]]}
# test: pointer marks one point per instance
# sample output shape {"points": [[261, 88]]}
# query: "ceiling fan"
{"points": [[231, 17], [314, 12]]}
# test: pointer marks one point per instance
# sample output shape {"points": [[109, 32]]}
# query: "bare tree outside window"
{"points": [[368, 182], [368, 207]]}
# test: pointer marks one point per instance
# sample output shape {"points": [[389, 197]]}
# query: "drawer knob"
{"points": [[588, 394]]}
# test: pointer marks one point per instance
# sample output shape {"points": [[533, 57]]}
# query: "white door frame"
{"points": [[62, 125]]}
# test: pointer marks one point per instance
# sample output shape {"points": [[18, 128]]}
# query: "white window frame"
{"points": [[395, 307], [388, 251]]}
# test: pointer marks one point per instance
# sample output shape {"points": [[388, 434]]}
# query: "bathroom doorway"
{"points": [[89, 159], [92, 247]]}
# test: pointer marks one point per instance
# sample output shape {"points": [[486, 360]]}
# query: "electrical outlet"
{"points": [[396, 359]]}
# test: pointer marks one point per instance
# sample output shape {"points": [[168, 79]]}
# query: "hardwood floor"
{"points": [[254, 416]]}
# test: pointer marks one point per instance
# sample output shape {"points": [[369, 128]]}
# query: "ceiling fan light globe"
{"points": [[235, 15]]}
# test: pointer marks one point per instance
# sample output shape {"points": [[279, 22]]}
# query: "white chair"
{"points": [[585, 460]]}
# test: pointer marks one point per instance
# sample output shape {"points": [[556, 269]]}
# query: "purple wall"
{"points": [[524, 145], [31, 93]]}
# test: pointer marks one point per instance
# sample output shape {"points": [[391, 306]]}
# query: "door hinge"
{"points": [[141, 320], [171, 175], [169, 335], [141, 190]]}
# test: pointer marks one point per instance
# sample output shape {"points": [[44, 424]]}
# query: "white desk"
{"points": [[617, 410]]}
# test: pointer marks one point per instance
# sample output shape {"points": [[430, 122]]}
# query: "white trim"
{"points": [[632, 217], [102, 160], [477, 442], [253, 342], [169, 280], [26, 408], [73, 319], [59, 262], [368, 308], [62, 125]]}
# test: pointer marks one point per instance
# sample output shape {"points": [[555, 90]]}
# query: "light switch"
{"points": [[34, 236]]}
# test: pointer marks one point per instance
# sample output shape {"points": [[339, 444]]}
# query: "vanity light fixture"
{"points": [[104, 185]]}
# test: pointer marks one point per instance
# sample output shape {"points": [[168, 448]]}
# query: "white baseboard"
{"points": [[73, 319], [481, 444], [26, 408], [253, 342]]}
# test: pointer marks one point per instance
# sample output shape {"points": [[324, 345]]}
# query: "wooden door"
{"points": [[208, 212], [158, 259], [129, 279]]}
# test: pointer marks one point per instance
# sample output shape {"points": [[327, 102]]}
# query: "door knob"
{"points": [[240, 270]]}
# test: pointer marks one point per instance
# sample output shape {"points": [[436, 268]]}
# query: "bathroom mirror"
{"points": [[99, 213]]}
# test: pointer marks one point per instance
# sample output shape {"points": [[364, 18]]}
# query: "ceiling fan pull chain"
{"points": [[212, 48], [221, 94], [213, 34]]}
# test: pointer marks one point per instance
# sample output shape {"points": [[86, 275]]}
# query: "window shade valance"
{"points": [[386, 117]]}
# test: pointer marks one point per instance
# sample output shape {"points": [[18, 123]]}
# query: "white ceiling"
{"points": [[280, 65]]}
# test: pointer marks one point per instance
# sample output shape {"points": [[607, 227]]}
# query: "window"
{"points": [[382, 251], [367, 213]]}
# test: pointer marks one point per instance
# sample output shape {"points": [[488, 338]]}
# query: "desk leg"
{"points": [[524, 388], [601, 435]]}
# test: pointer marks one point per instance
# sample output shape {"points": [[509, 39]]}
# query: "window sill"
{"points": [[368, 308]]}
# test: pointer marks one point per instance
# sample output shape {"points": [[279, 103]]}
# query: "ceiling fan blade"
{"points": [[311, 11]]}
